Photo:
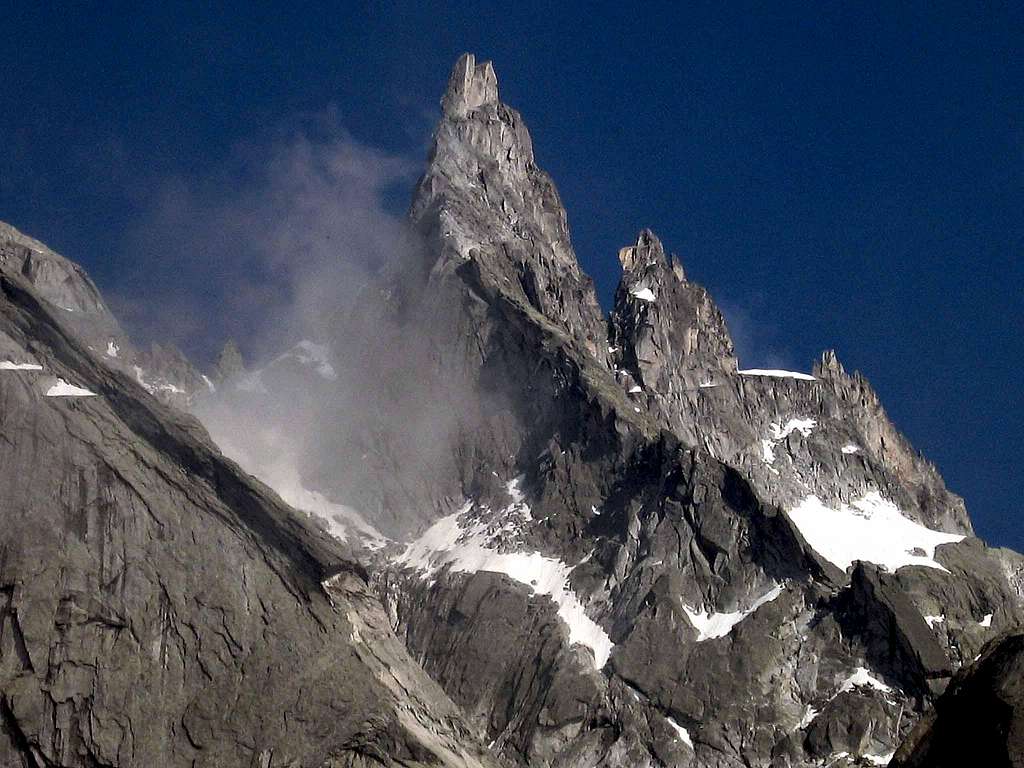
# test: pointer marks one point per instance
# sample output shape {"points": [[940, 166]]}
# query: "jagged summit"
{"points": [[470, 86], [648, 252], [484, 200], [666, 331]]}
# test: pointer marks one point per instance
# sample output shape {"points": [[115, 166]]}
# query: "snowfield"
{"points": [[871, 529], [469, 546]]}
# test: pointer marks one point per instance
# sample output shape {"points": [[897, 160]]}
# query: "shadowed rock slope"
{"points": [[979, 720]]}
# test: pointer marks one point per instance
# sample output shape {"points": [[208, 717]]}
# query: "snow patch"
{"points": [[684, 735], [636, 388], [112, 349], [779, 432], [208, 383], [159, 385], [63, 389], [862, 678], [987, 621], [879, 759], [851, 448], [933, 620], [809, 714], [7, 365], [710, 626], [644, 294], [777, 374], [871, 529], [466, 545], [782, 431]]}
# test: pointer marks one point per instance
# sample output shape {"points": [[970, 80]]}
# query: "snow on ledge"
{"points": [[778, 374], [7, 365], [644, 294], [862, 678], [779, 432], [684, 735], [63, 389], [879, 759], [468, 548], [850, 448], [782, 431], [871, 529], [710, 626], [809, 714]]}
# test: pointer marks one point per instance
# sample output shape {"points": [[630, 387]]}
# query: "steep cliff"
{"points": [[160, 607]]}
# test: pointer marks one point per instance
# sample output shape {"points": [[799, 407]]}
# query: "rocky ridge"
{"points": [[163, 371], [619, 547], [607, 543]]}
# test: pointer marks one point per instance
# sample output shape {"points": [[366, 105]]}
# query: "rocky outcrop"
{"points": [[160, 607], [666, 332], [67, 290], [63, 285], [979, 720]]}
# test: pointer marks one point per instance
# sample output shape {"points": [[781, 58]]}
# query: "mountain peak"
{"points": [[648, 252], [470, 86]]}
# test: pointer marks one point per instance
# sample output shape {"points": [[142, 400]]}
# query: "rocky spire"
{"points": [[829, 366], [483, 199], [230, 361], [469, 87], [667, 332]]}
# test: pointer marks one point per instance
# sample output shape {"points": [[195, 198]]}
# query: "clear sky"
{"points": [[843, 175]]}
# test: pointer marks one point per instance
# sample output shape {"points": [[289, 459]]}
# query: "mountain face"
{"points": [[581, 540], [160, 607]]}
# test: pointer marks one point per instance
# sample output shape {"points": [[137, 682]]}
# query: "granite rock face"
{"points": [[160, 607]]}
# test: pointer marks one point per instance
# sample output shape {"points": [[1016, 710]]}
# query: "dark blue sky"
{"points": [[839, 175]]}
